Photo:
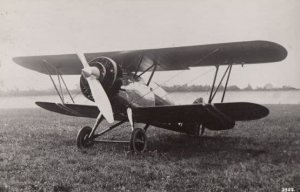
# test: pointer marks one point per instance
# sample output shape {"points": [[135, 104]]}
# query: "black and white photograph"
{"points": [[154, 96]]}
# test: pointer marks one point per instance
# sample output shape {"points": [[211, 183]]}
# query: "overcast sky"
{"points": [[35, 27]]}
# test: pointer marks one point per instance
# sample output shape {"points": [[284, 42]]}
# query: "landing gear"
{"points": [[86, 137], [83, 140], [138, 141]]}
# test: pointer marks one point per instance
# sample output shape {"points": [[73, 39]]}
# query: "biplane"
{"points": [[114, 82]]}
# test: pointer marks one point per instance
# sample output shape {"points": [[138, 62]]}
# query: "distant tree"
{"points": [[1, 87], [233, 88], [268, 86], [259, 88], [284, 87], [248, 88], [1, 84], [1, 81]]}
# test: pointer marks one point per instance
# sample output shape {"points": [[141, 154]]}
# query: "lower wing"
{"points": [[218, 116]]}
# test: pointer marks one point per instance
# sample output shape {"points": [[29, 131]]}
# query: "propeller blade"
{"points": [[101, 99], [99, 94], [83, 60]]}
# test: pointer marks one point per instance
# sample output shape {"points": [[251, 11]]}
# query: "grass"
{"points": [[38, 153]]}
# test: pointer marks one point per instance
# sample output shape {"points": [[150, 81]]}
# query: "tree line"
{"points": [[173, 88], [195, 88]]}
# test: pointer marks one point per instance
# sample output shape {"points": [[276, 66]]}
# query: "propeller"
{"points": [[91, 74]]}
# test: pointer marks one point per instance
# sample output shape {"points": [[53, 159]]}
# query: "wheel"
{"points": [[83, 140], [138, 141]]}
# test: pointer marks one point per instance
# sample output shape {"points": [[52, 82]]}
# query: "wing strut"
{"points": [[140, 62], [59, 77], [223, 96], [214, 91], [213, 85], [152, 73], [58, 93]]}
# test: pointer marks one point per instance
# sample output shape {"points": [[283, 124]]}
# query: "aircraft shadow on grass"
{"points": [[189, 146]]}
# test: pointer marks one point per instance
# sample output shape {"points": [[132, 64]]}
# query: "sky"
{"points": [[39, 27]]}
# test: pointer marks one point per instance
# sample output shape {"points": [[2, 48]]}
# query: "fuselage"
{"points": [[135, 93]]}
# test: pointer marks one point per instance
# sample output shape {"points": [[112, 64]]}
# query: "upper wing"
{"points": [[176, 58], [68, 64], [180, 58]]}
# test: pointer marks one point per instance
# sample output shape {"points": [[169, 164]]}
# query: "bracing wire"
{"points": [[176, 74], [197, 77]]}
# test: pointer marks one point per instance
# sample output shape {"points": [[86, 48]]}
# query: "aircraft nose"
{"points": [[90, 71]]}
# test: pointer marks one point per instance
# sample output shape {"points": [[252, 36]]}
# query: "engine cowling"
{"points": [[109, 77]]}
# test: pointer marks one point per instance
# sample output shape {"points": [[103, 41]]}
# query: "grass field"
{"points": [[38, 153]]}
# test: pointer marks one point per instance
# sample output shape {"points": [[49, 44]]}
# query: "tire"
{"points": [[138, 141], [82, 138]]}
